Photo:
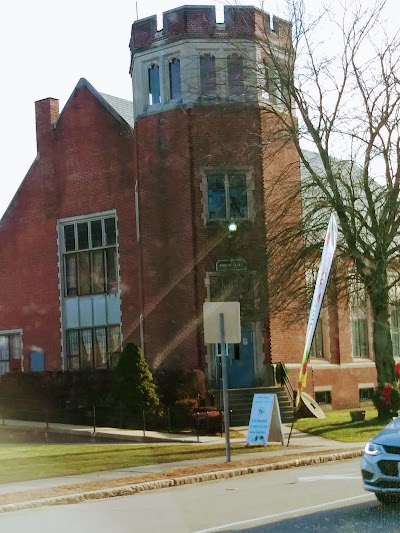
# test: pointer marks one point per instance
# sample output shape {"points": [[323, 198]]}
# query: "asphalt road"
{"points": [[325, 498]]}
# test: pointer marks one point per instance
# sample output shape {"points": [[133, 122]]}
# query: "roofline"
{"points": [[84, 84]]}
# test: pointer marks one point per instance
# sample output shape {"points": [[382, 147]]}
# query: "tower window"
{"points": [[175, 78], [208, 77], [154, 84], [235, 75], [227, 196]]}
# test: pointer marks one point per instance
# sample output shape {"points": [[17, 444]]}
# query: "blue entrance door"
{"points": [[240, 362]]}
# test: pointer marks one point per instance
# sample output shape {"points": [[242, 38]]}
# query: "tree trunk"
{"points": [[382, 340]]}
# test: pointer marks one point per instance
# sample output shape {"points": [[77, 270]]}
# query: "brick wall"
{"points": [[178, 249], [84, 165]]}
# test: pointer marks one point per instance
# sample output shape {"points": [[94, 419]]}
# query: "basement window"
{"points": [[323, 397], [366, 394]]}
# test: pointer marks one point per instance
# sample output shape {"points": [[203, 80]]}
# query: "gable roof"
{"points": [[121, 109]]}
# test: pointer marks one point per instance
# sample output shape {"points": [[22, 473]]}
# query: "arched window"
{"points": [[235, 75], [154, 84], [208, 77], [174, 78]]}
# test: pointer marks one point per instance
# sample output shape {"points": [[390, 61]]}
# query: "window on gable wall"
{"points": [[208, 76], [89, 348], [154, 84], [227, 196], [174, 67], [235, 75], [10, 348], [90, 257]]}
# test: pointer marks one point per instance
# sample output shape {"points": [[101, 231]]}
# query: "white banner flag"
{"points": [[319, 291]]}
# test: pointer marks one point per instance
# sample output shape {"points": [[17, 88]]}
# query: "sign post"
{"points": [[222, 325], [225, 388]]}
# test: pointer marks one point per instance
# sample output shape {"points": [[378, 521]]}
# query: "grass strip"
{"points": [[337, 425]]}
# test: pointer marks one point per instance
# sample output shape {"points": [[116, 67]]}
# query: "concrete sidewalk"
{"points": [[303, 449]]}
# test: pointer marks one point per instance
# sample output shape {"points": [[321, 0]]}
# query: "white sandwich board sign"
{"points": [[265, 420]]}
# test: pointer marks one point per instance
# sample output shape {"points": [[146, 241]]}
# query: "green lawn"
{"points": [[20, 462], [23, 462], [338, 426]]}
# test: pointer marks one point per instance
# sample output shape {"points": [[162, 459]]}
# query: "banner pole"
{"points": [[290, 434]]}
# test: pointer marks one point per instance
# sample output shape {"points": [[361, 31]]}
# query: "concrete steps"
{"points": [[240, 402]]}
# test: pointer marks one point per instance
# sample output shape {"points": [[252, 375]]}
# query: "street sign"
{"points": [[228, 265], [212, 331], [221, 326]]}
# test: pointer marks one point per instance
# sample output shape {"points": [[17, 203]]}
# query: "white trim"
{"points": [[11, 331], [366, 385], [331, 366], [90, 216], [323, 388]]}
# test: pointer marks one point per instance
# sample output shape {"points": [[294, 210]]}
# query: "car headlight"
{"points": [[373, 449]]}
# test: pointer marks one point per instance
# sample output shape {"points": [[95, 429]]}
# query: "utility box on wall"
{"points": [[36, 361]]}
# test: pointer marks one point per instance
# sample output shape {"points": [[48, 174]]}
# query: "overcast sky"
{"points": [[46, 46]]}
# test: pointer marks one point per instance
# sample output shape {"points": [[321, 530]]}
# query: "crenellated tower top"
{"points": [[200, 22], [193, 60]]}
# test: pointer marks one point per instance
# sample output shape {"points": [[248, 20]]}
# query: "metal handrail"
{"points": [[286, 382]]}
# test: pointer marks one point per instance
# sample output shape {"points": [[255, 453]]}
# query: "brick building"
{"points": [[119, 231]]}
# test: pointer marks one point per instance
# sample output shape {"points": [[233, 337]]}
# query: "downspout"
{"points": [[200, 358]]}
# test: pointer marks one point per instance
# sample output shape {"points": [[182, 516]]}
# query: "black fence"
{"points": [[184, 417]]}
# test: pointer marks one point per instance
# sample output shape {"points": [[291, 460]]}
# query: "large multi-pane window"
{"points": [[233, 287], [359, 322], [97, 347], [208, 75], [395, 329], [154, 84], [227, 196], [174, 68], [90, 257], [10, 348], [359, 334], [317, 346], [235, 75]]}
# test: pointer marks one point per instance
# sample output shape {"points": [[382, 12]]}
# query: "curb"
{"points": [[127, 490]]}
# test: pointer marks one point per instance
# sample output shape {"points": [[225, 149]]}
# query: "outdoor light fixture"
{"points": [[232, 226]]}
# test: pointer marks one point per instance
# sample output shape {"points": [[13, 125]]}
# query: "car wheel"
{"points": [[387, 499]]}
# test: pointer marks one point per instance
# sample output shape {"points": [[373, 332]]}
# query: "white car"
{"points": [[381, 464]]}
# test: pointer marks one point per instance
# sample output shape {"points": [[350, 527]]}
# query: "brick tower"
{"points": [[200, 165]]}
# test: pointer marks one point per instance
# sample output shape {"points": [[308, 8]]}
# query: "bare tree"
{"points": [[332, 87]]}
